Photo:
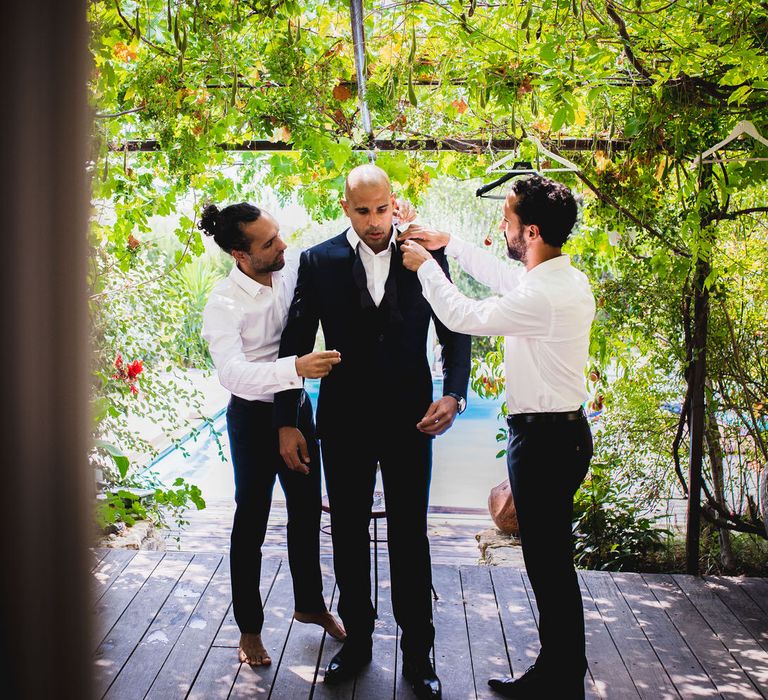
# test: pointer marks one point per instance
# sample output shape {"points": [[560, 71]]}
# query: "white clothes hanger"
{"points": [[743, 128], [567, 166]]}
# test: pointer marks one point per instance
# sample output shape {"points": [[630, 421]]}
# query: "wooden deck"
{"points": [[451, 532], [164, 629]]}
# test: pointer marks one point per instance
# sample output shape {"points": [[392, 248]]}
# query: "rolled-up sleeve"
{"points": [[520, 312]]}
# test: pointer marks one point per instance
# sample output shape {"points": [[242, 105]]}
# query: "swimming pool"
{"points": [[464, 465]]}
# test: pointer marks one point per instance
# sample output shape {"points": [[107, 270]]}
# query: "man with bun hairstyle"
{"points": [[545, 309], [242, 322]]}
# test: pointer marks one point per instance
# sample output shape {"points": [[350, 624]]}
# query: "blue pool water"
{"points": [[464, 463]]}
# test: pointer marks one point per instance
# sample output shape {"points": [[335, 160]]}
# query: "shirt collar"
{"points": [[248, 285], [355, 240], [551, 265]]}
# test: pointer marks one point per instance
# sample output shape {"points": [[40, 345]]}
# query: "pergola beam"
{"points": [[477, 146]]}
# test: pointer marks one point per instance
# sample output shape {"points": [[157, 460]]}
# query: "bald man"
{"points": [[376, 407]]}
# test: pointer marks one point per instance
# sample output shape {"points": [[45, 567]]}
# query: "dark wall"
{"points": [[44, 513]]}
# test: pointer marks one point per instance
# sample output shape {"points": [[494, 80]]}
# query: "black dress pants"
{"points": [[256, 459], [405, 457], [547, 461]]}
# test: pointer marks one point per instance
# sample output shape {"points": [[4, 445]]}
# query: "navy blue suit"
{"points": [[367, 412]]}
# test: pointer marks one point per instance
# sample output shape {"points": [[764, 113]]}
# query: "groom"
{"points": [[376, 407]]}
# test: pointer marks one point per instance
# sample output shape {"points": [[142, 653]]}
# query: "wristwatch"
{"points": [[459, 400]]}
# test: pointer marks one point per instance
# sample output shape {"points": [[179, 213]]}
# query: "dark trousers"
{"points": [[405, 457], [547, 462], [256, 459]]}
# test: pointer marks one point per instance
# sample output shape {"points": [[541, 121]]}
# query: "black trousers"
{"points": [[405, 457], [547, 462], [256, 459]]}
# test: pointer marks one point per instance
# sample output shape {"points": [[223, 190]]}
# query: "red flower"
{"points": [[134, 390], [135, 369], [119, 361]]}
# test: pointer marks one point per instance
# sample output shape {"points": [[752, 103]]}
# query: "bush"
{"points": [[611, 531]]}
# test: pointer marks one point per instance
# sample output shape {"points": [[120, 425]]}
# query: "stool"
{"points": [[378, 510]]}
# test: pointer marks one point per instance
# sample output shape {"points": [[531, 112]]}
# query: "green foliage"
{"points": [[611, 532], [119, 506], [655, 84], [173, 502]]}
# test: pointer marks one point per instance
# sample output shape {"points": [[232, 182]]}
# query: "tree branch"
{"points": [[720, 216], [118, 114], [133, 31], [624, 34]]}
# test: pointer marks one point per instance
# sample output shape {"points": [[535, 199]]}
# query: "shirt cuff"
{"points": [[455, 246], [428, 270], [285, 368]]}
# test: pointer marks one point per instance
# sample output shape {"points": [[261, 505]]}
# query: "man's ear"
{"points": [[238, 255], [345, 206], [533, 232]]}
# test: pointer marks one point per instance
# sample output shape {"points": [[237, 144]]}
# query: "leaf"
{"points": [[460, 106], [396, 166], [341, 93], [548, 52], [340, 152], [558, 120], [121, 461]]}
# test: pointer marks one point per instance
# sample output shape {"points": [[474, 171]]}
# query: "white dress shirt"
{"points": [[242, 322], [376, 265], [545, 315]]}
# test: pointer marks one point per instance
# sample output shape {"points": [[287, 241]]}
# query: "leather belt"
{"points": [[561, 417]]}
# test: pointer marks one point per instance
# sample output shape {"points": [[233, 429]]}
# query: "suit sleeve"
{"points": [[298, 339], [456, 348]]}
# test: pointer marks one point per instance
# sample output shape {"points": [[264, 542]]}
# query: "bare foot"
{"points": [[327, 621], [252, 650]]}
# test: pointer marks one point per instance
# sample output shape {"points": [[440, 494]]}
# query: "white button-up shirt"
{"points": [[376, 265], [242, 322], [545, 315]]}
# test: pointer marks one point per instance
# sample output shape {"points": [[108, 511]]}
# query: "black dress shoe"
{"points": [[535, 683], [423, 679], [529, 685], [346, 664]]}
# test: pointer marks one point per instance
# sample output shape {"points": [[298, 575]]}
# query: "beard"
{"points": [[517, 249], [273, 266]]}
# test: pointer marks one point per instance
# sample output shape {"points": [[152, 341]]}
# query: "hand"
{"points": [[404, 211], [430, 238], [414, 256], [439, 416], [293, 449], [317, 364]]}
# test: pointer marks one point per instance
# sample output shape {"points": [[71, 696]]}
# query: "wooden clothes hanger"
{"points": [[743, 128]]}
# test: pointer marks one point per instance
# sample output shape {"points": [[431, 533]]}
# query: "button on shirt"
{"points": [[376, 265], [544, 313], [242, 322]]}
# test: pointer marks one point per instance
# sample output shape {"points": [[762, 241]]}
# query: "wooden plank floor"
{"points": [[164, 629], [451, 532]]}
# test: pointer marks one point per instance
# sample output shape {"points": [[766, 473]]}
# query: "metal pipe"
{"points": [[358, 39]]}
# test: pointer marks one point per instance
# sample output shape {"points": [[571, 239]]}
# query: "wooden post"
{"points": [[696, 419], [697, 377]]}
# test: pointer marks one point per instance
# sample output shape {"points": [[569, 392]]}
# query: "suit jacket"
{"points": [[384, 373]]}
